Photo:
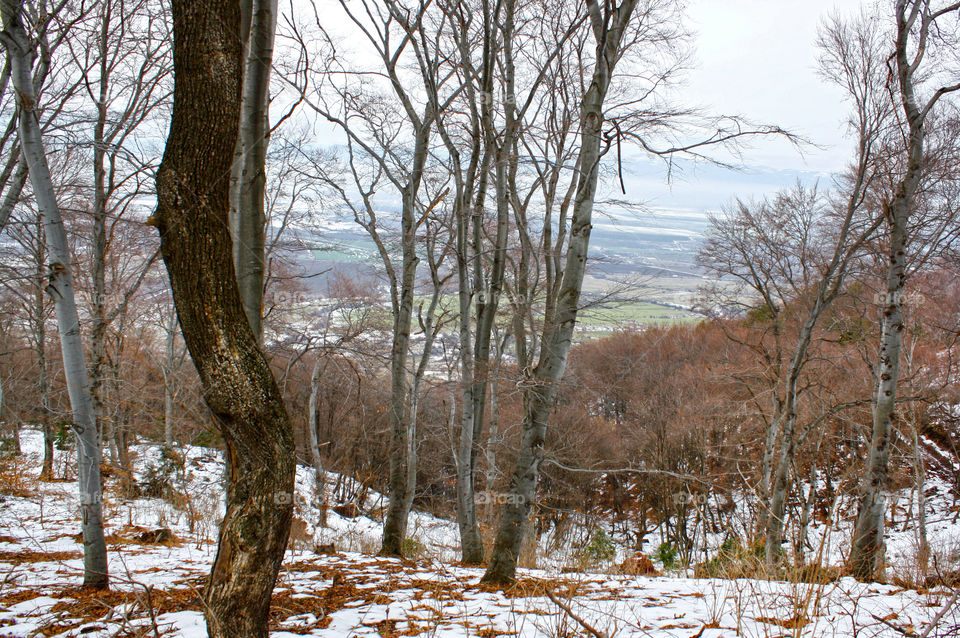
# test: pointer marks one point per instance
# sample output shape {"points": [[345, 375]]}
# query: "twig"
{"points": [[940, 614], [583, 623], [900, 630]]}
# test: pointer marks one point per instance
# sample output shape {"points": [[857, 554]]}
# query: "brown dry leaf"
{"points": [[27, 556], [796, 622]]}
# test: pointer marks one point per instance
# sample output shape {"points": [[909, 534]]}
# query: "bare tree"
{"points": [[919, 46], [388, 142], [192, 217], [21, 49], [24, 275], [125, 81], [248, 216], [610, 24]]}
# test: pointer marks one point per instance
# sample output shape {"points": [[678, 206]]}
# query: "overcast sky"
{"points": [[758, 59]]}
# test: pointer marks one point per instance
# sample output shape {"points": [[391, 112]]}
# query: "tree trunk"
{"points": [[167, 368], [60, 287], [249, 221], [803, 533], [320, 483], [868, 532], [411, 488], [192, 216], [395, 523], [39, 328], [98, 320], [919, 478], [540, 391], [867, 546], [121, 436]]}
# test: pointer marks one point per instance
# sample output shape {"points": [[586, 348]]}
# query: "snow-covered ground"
{"points": [[355, 593]]}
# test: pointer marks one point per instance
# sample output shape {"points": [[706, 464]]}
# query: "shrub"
{"points": [[600, 549], [734, 560], [158, 479], [209, 437], [412, 548], [668, 555]]}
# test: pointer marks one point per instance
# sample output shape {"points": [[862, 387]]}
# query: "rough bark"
{"points": [[20, 53], [193, 187], [540, 391]]}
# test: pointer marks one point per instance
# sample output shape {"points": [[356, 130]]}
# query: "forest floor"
{"points": [[156, 587]]}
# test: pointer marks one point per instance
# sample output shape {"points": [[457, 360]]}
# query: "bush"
{"points": [[668, 555], [63, 435], [600, 549], [158, 479], [412, 548], [734, 560], [209, 437]]}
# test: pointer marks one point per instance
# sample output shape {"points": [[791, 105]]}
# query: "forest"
{"points": [[174, 295]]}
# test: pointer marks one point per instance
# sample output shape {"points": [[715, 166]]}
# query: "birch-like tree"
{"points": [[21, 48], [248, 215], [124, 80], [610, 25], [922, 73]]}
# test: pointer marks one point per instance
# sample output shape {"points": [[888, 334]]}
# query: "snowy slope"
{"points": [[358, 594]]}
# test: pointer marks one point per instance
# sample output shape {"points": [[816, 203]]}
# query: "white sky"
{"points": [[757, 59]]}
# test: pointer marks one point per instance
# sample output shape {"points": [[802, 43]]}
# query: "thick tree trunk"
{"points": [[60, 287], [249, 220], [540, 391], [193, 188]]}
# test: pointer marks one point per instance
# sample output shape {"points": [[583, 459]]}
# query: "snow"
{"points": [[355, 593]]}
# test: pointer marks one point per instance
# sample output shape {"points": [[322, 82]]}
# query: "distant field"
{"points": [[634, 313]]}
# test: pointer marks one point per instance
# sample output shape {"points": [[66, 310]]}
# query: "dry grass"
{"points": [[28, 556], [16, 479]]}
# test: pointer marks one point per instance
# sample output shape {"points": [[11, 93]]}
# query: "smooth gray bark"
{"points": [[60, 286], [249, 218], [914, 19], [320, 483]]}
